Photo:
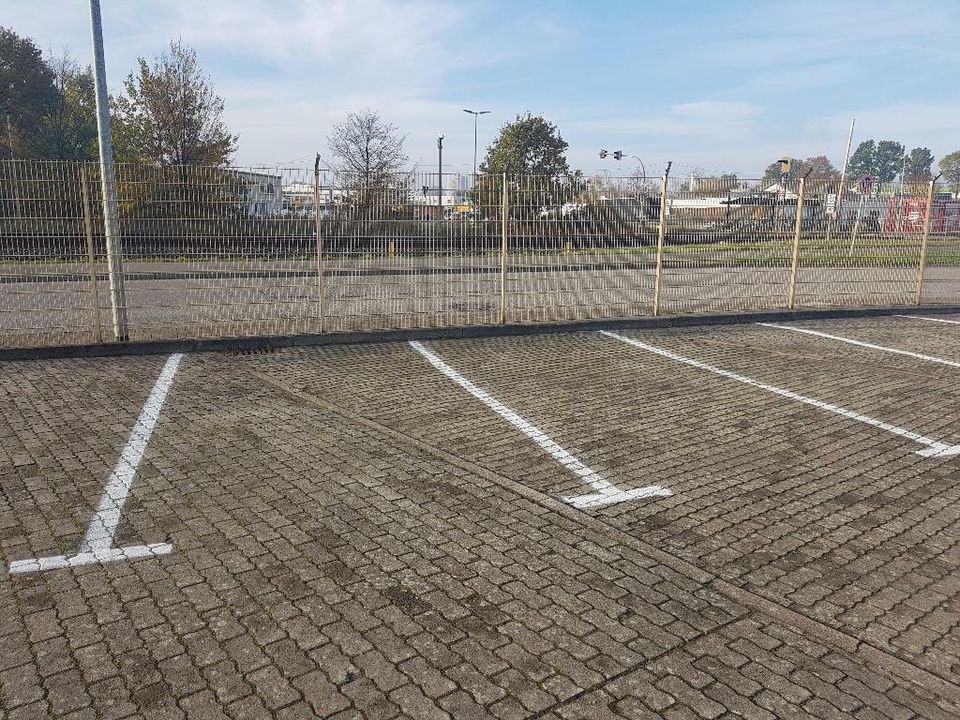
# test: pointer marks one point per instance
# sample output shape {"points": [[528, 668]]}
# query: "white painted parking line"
{"points": [[928, 358], [607, 493], [934, 448], [97, 546], [929, 319]]}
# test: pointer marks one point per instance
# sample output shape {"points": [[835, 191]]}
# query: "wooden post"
{"points": [[926, 237], [91, 258], [795, 261], [660, 241], [504, 236], [319, 231]]}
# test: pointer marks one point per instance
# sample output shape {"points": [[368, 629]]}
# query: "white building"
{"points": [[261, 193], [298, 199]]}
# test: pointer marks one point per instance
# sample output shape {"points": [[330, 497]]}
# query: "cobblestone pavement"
{"points": [[356, 536]]}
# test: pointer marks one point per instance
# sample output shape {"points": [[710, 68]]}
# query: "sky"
{"points": [[712, 86]]}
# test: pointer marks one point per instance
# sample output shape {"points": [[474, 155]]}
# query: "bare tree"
{"points": [[365, 144]]}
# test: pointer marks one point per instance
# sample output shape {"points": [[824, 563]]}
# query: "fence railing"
{"points": [[221, 252]]}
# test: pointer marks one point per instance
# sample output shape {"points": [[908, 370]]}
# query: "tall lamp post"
{"points": [[108, 181], [476, 114], [440, 177]]}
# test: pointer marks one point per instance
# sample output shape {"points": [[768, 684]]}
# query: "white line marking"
{"points": [[607, 493], [54, 562], [928, 358], [930, 319], [97, 545], [935, 447]]}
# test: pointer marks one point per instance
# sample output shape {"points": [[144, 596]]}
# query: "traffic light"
{"points": [[618, 154], [785, 164], [603, 154]]}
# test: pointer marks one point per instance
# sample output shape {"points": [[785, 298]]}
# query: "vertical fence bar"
{"points": [[91, 258], [926, 238], [661, 234], [319, 232], [795, 260], [504, 236]]}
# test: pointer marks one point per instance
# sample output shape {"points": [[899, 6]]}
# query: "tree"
{"points": [[27, 92], [773, 172], [862, 162], [918, 164], [366, 145], [950, 168], [529, 145], [817, 167], [171, 115], [68, 131], [882, 160], [888, 160], [820, 168]]}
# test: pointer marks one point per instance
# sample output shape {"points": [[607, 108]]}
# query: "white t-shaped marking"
{"points": [[606, 494], [97, 546]]}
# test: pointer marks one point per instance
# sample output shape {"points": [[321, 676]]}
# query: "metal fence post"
{"points": [[88, 228], [504, 236], [108, 182], [660, 241], [926, 237], [795, 260], [319, 231]]}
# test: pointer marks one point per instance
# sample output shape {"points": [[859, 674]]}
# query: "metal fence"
{"points": [[228, 252]]}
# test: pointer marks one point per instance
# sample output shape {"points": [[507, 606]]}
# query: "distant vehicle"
{"points": [[461, 215]]}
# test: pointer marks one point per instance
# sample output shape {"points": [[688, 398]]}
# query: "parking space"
{"points": [[815, 509], [401, 530]]}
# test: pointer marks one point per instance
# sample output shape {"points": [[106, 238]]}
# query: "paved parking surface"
{"points": [[364, 531]]}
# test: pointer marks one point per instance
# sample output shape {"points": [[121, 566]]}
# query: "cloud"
{"points": [[718, 88]]}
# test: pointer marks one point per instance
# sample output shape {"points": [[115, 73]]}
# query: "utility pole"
{"points": [[476, 114], [440, 177], [108, 182]]}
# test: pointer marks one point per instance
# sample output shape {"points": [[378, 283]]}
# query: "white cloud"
{"points": [[727, 94]]}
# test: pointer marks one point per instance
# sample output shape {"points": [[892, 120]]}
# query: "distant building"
{"points": [[261, 194], [298, 199], [425, 202]]}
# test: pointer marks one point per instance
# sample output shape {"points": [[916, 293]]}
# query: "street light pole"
{"points": [[618, 155], [440, 177], [476, 114], [108, 181]]}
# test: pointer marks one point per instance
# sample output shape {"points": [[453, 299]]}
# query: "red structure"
{"points": [[907, 214]]}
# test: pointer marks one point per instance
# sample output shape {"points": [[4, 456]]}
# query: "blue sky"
{"points": [[715, 86]]}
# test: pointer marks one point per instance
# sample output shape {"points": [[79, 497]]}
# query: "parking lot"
{"points": [[758, 521]]}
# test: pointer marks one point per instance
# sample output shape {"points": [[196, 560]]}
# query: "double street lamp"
{"points": [[476, 114]]}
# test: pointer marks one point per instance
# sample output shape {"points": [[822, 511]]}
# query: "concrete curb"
{"points": [[151, 347]]}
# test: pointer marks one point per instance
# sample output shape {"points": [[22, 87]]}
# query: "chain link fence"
{"points": [[231, 252]]}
